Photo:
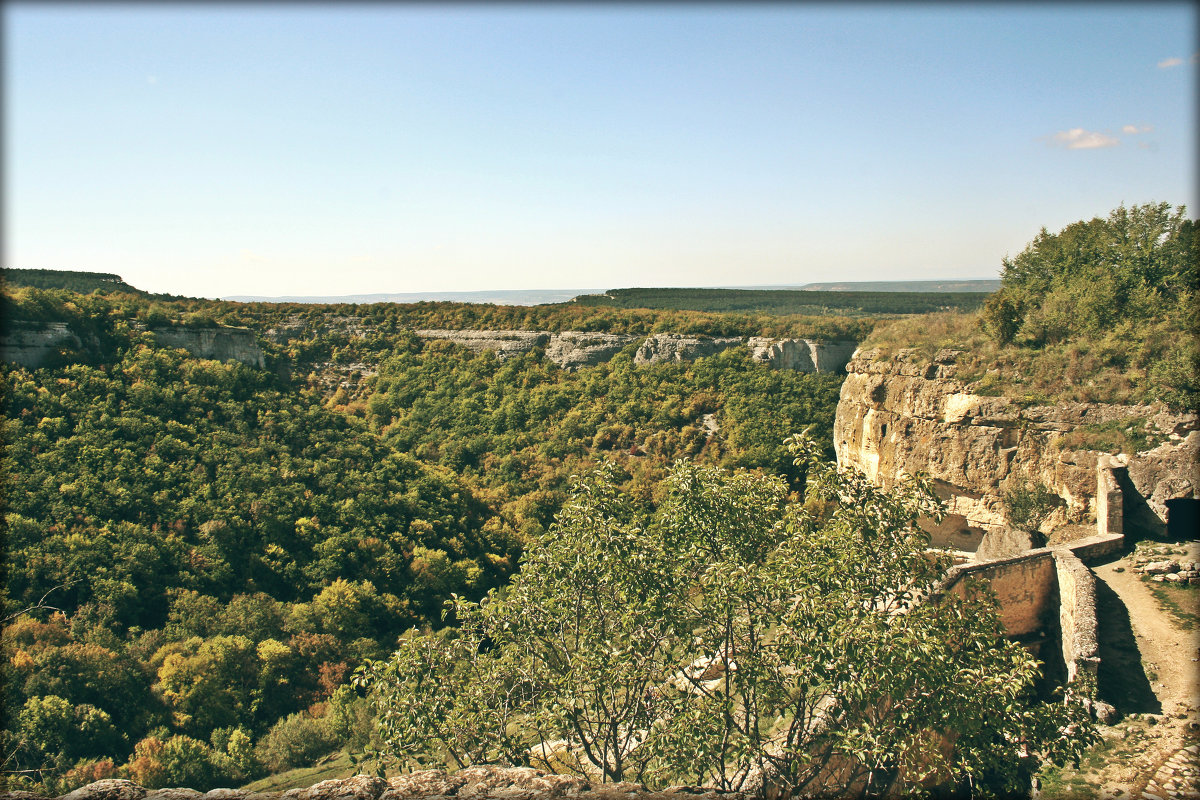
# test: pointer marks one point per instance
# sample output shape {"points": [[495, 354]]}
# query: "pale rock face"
{"points": [[782, 353], [802, 355], [30, 344], [905, 414], [219, 344], [667, 347], [108, 789], [571, 349], [504, 343], [1005, 542]]}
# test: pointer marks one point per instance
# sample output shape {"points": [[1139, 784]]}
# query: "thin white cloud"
{"points": [[1133, 129], [1167, 63], [1079, 139]]}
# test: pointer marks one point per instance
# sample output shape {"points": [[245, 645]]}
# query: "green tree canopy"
{"points": [[1140, 263], [736, 638]]}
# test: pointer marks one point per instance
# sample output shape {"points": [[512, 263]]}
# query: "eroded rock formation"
{"points": [[571, 349], [219, 344], [32, 344], [804, 355], [906, 414]]}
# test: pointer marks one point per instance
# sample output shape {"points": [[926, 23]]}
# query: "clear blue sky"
{"points": [[326, 149]]}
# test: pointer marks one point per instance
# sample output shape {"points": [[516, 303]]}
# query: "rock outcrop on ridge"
{"points": [[34, 344], [906, 414], [220, 344], [571, 349]]}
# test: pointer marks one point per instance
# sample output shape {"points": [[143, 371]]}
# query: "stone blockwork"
{"points": [[472, 783], [1024, 585], [906, 414], [1076, 614]]}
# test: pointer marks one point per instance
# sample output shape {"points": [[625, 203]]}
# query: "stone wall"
{"points": [[1026, 587], [1076, 614]]}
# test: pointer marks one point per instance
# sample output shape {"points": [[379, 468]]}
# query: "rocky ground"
{"points": [[473, 783], [1150, 671]]}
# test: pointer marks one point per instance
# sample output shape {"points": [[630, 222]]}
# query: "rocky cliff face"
{"points": [[571, 349], [219, 344], [804, 355], [907, 414], [676, 347], [32, 344]]}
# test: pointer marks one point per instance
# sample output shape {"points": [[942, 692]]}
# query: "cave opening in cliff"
{"points": [[1183, 518]]}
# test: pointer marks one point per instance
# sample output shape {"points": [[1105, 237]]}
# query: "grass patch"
{"points": [[1181, 602], [1127, 364], [1064, 783], [337, 765], [1129, 435]]}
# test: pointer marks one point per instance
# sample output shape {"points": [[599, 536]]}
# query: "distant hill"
{"points": [[82, 282], [987, 285], [788, 301], [510, 297]]}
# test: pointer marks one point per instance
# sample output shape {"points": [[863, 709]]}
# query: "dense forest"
{"points": [[83, 282], [198, 554]]}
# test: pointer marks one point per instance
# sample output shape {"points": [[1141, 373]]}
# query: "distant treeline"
{"points": [[788, 301], [82, 282]]}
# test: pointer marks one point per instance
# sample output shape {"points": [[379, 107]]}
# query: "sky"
{"points": [[311, 149]]}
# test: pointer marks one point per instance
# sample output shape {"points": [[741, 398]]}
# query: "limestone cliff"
{"points": [[570, 349], [219, 344], [906, 414], [32, 344], [662, 347], [804, 355], [504, 343]]}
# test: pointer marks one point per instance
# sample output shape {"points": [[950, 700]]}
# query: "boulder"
{"points": [[358, 787], [108, 789], [1005, 542], [183, 794]]}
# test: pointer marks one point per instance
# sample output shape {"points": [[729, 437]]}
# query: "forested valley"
{"points": [[208, 564], [198, 554]]}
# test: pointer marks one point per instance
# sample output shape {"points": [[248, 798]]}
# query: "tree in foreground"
{"points": [[738, 639]]}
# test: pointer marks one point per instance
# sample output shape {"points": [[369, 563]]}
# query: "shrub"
{"points": [[295, 741]]}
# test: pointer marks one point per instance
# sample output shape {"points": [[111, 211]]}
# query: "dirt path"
{"points": [[1153, 678], [1167, 650]]}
